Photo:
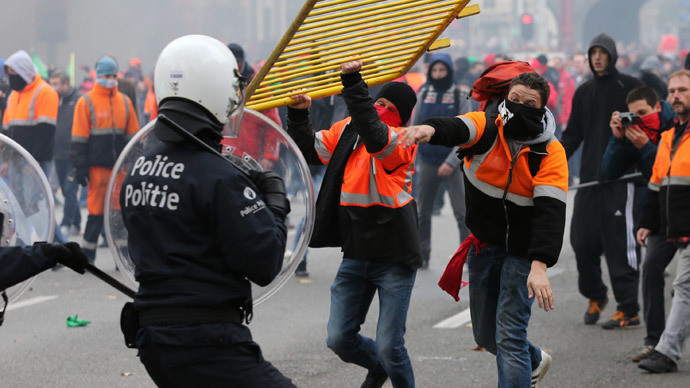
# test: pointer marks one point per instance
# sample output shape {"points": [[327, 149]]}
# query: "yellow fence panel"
{"points": [[388, 36]]}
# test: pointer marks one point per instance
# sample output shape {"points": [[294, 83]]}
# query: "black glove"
{"points": [[80, 175], [272, 190], [68, 254]]}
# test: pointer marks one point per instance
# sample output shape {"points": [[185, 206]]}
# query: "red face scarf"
{"points": [[387, 116], [650, 124]]}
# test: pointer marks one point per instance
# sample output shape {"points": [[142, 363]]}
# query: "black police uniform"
{"points": [[199, 232], [20, 263]]}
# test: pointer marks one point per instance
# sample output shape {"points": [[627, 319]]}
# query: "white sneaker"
{"points": [[65, 230], [538, 374]]}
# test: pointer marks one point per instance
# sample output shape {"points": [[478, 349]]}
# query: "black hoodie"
{"points": [[593, 103]]}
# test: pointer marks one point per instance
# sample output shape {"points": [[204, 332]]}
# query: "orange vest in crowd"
{"points": [[36, 104]]}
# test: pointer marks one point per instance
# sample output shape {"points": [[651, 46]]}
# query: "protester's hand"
{"points": [[273, 192], [445, 169], [642, 235], [538, 284], [80, 175], [351, 67], [636, 136], [416, 134], [68, 254], [616, 126], [302, 101]]}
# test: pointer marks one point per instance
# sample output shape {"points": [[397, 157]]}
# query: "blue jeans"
{"points": [[47, 166], [71, 213], [351, 295], [500, 311]]}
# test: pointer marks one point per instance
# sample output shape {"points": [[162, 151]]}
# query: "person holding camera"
{"points": [[634, 143]]}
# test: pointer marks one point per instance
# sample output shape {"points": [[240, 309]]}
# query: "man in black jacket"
{"points": [[603, 214], [365, 207], [200, 230], [71, 218]]}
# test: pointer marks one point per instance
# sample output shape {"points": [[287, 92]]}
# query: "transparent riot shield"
{"points": [[259, 144], [26, 202]]}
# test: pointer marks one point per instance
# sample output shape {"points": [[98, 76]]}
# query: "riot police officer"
{"points": [[199, 230]]}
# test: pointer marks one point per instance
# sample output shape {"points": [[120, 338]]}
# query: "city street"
{"points": [[37, 349]]}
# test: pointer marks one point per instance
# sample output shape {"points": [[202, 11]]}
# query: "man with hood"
{"points": [[32, 109], [436, 164], [365, 207], [635, 145], [516, 180], [603, 214]]}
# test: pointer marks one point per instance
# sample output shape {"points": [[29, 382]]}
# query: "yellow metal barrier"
{"points": [[388, 36]]}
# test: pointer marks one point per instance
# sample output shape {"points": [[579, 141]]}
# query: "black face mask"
{"points": [[16, 82], [525, 122]]}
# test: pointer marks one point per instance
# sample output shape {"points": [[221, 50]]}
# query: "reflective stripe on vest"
{"points": [[374, 197], [676, 180], [321, 148], [30, 120], [103, 131], [550, 191], [653, 186], [472, 128], [388, 150], [489, 189]]}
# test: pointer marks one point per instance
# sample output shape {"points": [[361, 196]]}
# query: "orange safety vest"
{"points": [[489, 171], [670, 183], [36, 104], [105, 121], [383, 178], [508, 205]]}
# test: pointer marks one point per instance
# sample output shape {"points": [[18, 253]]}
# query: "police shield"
{"points": [[258, 144], [27, 208]]}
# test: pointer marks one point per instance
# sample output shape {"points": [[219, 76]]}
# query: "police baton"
{"points": [[625, 177], [110, 280], [187, 135]]}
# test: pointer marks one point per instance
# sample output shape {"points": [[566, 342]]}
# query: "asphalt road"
{"points": [[37, 349]]}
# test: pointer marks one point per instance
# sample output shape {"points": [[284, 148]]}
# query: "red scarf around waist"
{"points": [[451, 280]]}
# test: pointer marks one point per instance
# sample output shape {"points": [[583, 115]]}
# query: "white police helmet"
{"points": [[201, 69]]}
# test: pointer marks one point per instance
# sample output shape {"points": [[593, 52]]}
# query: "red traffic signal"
{"points": [[526, 18]]}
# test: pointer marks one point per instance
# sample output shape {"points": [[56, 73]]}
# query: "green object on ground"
{"points": [[76, 322]]}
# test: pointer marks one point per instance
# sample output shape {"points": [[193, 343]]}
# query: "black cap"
{"points": [[238, 52], [402, 96]]}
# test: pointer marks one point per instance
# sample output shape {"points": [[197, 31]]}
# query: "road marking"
{"points": [[463, 317], [455, 321], [31, 301]]}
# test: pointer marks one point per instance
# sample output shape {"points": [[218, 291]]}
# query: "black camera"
{"points": [[628, 119]]}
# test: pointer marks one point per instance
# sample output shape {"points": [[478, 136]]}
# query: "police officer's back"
{"points": [[200, 230]]}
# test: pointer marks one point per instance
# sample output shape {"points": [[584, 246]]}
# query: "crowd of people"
{"points": [[615, 126]]}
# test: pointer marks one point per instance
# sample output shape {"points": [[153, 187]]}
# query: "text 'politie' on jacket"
{"points": [[364, 205], [668, 196], [507, 205], [30, 118], [104, 121]]}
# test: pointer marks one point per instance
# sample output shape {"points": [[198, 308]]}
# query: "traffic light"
{"points": [[526, 29]]}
